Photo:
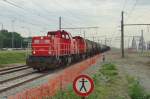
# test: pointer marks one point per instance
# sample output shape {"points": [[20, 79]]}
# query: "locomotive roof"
{"points": [[78, 37], [54, 32]]}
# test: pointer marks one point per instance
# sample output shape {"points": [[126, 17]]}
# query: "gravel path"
{"points": [[134, 66]]}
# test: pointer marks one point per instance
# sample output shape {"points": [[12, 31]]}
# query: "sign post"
{"points": [[83, 85]]}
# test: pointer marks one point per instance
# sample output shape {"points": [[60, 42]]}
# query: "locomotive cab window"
{"points": [[67, 37], [36, 41], [47, 41], [63, 36], [51, 35]]}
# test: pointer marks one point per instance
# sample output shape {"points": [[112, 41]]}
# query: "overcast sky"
{"points": [[36, 17]]}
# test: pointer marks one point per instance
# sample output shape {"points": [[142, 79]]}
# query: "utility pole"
{"points": [[105, 41], [12, 33], [122, 34], [60, 23], [93, 38], [84, 34], [2, 26], [128, 43], [142, 41], [80, 31]]}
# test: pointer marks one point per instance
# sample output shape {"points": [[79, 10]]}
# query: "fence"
{"points": [[60, 81]]}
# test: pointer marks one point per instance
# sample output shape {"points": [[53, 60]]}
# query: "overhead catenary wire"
{"points": [[22, 8], [21, 20], [37, 24], [39, 15], [124, 5], [132, 10], [13, 4], [68, 11], [54, 15]]}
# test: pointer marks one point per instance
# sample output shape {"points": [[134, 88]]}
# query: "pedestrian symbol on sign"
{"points": [[83, 85]]}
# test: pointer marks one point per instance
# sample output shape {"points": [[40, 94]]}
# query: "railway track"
{"points": [[20, 79], [9, 68], [13, 69], [11, 86], [17, 77]]}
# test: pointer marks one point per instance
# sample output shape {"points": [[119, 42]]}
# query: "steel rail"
{"points": [[21, 83], [14, 78], [8, 72], [5, 69]]}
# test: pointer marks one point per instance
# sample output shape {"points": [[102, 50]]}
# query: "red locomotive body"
{"points": [[59, 48], [41, 45], [81, 44], [56, 43]]}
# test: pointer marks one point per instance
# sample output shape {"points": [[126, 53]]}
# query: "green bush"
{"points": [[109, 66], [135, 89], [108, 72]]}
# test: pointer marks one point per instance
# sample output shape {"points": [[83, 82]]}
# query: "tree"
{"points": [[6, 40]]}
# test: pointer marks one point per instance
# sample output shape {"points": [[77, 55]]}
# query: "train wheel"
{"points": [[83, 56], [39, 69], [69, 60], [64, 61]]}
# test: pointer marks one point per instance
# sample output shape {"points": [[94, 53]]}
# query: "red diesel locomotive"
{"points": [[59, 48]]}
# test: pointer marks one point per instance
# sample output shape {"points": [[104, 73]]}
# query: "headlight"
{"points": [[33, 52], [50, 52]]}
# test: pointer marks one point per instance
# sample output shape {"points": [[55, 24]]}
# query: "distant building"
{"points": [[142, 44], [148, 45], [134, 44]]}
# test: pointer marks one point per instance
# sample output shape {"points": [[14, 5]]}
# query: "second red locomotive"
{"points": [[59, 48]]}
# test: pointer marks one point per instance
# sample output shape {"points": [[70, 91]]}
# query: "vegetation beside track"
{"points": [[109, 84], [10, 57], [135, 90]]}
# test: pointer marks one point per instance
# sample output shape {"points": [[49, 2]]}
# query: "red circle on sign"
{"points": [[90, 81]]}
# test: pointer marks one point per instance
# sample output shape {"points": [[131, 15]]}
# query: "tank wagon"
{"points": [[59, 48]]}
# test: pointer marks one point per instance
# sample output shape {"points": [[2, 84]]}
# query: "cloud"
{"points": [[43, 14]]}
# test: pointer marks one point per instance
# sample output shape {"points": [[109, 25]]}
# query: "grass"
{"points": [[9, 57], [108, 85], [136, 91]]}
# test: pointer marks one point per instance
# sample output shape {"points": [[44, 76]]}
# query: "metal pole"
{"points": [[122, 34], [142, 41], [84, 34], [21, 43], [105, 41], [12, 33], [60, 23], [2, 26], [128, 43], [93, 38], [82, 97]]}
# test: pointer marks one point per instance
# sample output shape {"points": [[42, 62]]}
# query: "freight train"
{"points": [[59, 48]]}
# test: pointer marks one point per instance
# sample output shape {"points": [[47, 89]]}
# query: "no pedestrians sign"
{"points": [[83, 85]]}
